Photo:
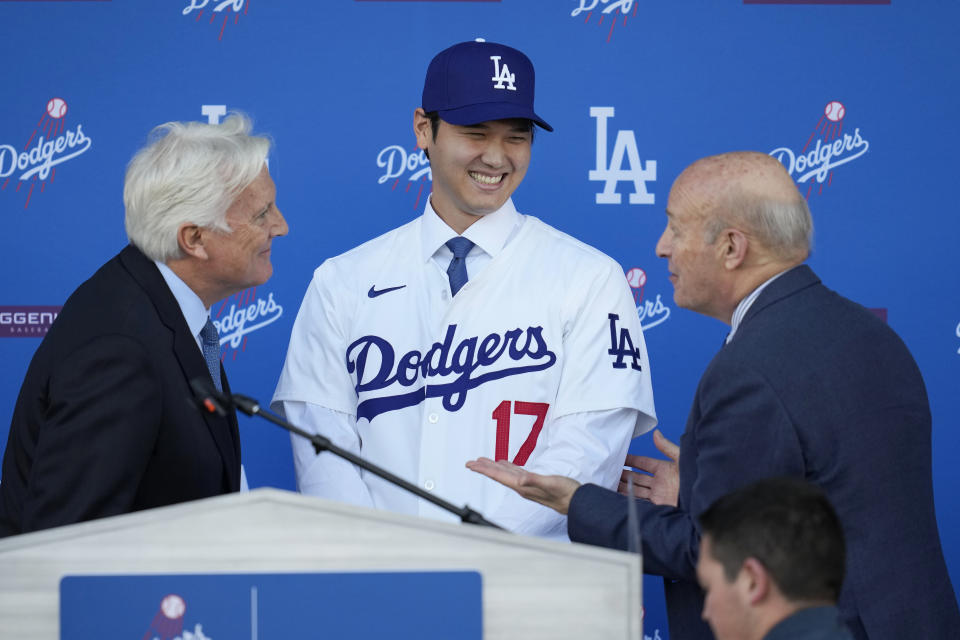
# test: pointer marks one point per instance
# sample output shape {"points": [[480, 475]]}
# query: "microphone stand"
{"points": [[213, 401]]}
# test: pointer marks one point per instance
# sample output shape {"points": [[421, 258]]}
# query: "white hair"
{"points": [[190, 172], [752, 190], [783, 227]]}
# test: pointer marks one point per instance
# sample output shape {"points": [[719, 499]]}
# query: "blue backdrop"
{"points": [[859, 98]]}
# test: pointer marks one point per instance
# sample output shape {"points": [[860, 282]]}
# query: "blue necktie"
{"points": [[457, 271], [210, 340]]}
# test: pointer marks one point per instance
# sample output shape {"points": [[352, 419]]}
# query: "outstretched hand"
{"points": [[551, 491], [661, 482]]}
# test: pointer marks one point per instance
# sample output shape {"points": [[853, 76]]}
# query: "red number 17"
{"points": [[502, 415]]}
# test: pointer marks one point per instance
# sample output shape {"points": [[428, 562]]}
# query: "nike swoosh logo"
{"points": [[373, 293]]}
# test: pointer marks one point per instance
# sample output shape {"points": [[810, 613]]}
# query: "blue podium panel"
{"points": [[425, 606]]}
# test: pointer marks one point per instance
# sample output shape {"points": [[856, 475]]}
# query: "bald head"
{"points": [[733, 222], [750, 191]]}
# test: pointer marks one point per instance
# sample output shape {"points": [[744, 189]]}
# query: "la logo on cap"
{"points": [[502, 74]]}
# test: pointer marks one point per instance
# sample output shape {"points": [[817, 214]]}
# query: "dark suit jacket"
{"points": [[103, 424], [815, 386]]}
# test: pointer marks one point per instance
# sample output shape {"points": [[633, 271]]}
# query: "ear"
{"points": [[421, 128], [732, 245], [190, 240], [756, 583]]}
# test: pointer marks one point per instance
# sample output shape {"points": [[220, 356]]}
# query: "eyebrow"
{"points": [[516, 128]]}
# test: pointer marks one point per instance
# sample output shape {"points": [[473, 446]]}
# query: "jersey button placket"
{"points": [[431, 449]]}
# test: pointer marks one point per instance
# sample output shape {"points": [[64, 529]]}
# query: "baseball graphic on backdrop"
{"points": [[636, 278], [173, 606], [834, 111], [56, 108]]}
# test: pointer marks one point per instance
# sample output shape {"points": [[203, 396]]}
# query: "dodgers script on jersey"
{"points": [[546, 330]]}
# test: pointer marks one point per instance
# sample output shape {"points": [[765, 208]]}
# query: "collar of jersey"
{"points": [[491, 232]]}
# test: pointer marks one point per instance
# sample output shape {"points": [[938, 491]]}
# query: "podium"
{"points": [[531, 588]]}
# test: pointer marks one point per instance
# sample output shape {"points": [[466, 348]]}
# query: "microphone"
{"points": [[209, 399]]}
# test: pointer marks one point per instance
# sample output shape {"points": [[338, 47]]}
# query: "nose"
{"points": [[493, 154], [279, 227], [663, 244]]}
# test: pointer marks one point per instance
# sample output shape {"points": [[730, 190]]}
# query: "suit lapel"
{"points": [[223, 430]]}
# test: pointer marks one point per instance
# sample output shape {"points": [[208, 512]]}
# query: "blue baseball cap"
{"points": [[473, 82]]}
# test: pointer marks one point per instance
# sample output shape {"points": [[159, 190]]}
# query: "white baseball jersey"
{"points": [[538, 359]]}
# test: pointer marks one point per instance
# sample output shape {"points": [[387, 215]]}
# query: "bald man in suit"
{"points": [[808, 384]]}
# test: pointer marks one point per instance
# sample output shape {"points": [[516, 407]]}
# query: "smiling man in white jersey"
{"points": [[473, 330]]}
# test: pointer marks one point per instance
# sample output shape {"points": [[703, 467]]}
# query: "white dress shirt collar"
{"points": [[490, 233], [190, 303]]}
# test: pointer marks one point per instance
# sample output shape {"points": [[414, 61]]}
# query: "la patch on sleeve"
{"points": [[621, 346]]}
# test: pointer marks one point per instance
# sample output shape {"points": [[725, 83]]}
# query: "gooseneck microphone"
{"points": [[207, 398]]}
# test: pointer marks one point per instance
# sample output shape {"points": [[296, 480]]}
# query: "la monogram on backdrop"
{"points": [[808, 384]]}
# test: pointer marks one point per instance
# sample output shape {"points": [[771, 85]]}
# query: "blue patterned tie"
{"points": [[210, 340], [457, 271]]}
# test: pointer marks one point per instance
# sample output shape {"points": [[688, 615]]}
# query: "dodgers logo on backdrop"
{"points": [[411, 166], [247, 312], [613, 172], [958, 335], [612, 9], [36, 162], [167, 624], [651, 312], [827, 148], [473, 359], [226, 8]]}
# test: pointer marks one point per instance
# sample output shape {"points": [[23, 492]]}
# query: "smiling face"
{"points": [[241, 258], [476, 168]]}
